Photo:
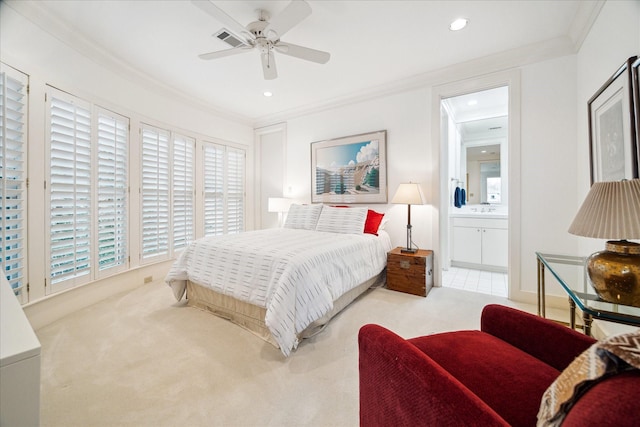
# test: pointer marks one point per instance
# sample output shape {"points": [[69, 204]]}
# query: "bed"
{"points": [[285, 284]]}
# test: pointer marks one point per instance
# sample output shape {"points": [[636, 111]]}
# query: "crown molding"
{"points": [[39, 15], [587, 13], [514, 58]]}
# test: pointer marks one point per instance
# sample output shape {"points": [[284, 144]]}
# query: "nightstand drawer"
{"points": [[410, 273]]}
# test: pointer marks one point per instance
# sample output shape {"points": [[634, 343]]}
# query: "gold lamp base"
{"points": [[615, 272]]}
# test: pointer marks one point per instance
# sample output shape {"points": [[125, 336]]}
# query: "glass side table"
{"points": [[571, 273]]}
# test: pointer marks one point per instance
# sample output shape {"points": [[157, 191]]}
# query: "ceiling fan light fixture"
{"points": [[263, 35], [458, 24], [268, 93]]}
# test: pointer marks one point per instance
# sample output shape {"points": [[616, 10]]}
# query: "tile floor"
{"points": [[486, 282]]}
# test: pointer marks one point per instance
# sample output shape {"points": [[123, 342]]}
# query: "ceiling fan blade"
{"points": [[302, 52], [228, 22], [269, 65], [226, 52], [292, 15]]}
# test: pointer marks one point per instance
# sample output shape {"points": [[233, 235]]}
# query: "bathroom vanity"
{"points": [[480, 239]]}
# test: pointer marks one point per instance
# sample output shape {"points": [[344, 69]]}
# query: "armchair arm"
{"points": [[542, 338], [401, 386]]}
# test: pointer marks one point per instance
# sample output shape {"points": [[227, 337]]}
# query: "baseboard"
{"points": [[56, 306]]}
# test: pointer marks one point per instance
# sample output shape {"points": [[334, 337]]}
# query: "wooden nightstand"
{"points": [[410, 273]]}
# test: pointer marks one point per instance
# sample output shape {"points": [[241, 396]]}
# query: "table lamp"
{"points": [[279, 205], [408, 194], [611, 210]]}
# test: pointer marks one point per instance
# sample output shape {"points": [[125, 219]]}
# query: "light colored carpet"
{"points": [[141, 359]]}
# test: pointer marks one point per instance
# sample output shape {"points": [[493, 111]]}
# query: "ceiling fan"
{"points": [[263, 35]]}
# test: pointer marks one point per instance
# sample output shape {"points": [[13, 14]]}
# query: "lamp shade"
{"points": [[279, 204], [611, 210], [409, 194]]}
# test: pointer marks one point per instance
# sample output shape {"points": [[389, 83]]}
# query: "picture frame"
{"points": [[635, 74], [613, 149], [350, 170]]}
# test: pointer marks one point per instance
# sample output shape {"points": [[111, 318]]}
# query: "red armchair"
{"points": [[492, 377]]}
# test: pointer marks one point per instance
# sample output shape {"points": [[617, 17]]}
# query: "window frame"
{"points": [[6, 72], [225, 219], [101, 273]]}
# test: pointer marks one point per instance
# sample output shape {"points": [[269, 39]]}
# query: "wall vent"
{"points": [[229, 38]]}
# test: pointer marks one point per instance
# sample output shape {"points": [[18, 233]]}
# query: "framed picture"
{"points": [[612, 128], [349, 170], [635, 75]]}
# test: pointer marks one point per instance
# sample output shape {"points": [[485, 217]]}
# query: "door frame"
{"points": [[440, 179]]}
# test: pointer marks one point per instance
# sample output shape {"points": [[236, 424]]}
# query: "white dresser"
{"points": [[19, 364]]}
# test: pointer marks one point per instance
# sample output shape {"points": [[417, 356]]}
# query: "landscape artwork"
{"points": [[350, 170]]}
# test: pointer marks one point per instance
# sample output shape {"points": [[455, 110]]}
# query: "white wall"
{"points": [[554, 140], [407, 119], [404, 116], [614, 37], [554, 165], [48, 60]]}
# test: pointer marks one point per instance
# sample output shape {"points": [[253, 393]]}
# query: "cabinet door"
{"points": [[467, 244], [495, 244]]}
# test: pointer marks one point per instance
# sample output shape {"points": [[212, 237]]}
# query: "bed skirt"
{"points": [[251, 317]]}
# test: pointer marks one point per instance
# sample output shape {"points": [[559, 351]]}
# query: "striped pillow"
{"points": [[303, 216], [340, 220]]}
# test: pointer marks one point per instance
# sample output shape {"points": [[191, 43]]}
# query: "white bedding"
{"points": [[296, 275]]}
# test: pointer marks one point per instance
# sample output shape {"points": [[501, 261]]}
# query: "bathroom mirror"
{"points": [[484, 142]]}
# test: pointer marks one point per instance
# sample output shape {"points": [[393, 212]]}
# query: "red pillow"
{"points": [[373, 222]]}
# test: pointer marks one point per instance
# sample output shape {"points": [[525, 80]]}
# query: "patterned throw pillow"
{"points": [[618, 353], [345, 221], [303, 216]]}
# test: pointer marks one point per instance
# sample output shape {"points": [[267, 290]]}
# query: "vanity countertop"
{"points": [[479, 211], [488, 215]]}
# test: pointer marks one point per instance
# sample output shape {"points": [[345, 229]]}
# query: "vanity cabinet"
{"points": [[480, 242]]}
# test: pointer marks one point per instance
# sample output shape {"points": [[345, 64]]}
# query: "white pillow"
{"points": [[342, 220], [303, 216]]}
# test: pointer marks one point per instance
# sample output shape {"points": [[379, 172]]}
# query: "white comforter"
{"points": [[295, 274]]}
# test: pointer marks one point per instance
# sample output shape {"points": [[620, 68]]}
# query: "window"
{"points": [[155, 193], [213, 189], [113, 191], [88, 191], [235, 190], [183, 191], [224, 176], [494, 185], [70, 191], [13, 117]]}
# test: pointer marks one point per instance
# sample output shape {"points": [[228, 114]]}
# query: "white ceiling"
{"points": [[374, 45]]}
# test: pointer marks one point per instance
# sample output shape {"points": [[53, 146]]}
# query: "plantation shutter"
{"points": [[183, 195], [70, 191], [112, 184], [155, 193], [235, 190], [213, 189], [13, 194]]}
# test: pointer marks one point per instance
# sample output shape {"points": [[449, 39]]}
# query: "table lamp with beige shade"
{"points": [[611, 210], [409, 193]]}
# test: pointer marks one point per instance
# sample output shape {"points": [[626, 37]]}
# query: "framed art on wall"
{"points": [[612, 128], [351, 169], [635, 75]]}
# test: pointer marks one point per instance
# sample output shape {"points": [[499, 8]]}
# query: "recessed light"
{"points": [[458, 24], [268, 94]]}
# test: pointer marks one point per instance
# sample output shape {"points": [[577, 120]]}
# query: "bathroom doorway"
{"points": [[479, 118], [478, 192]]}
